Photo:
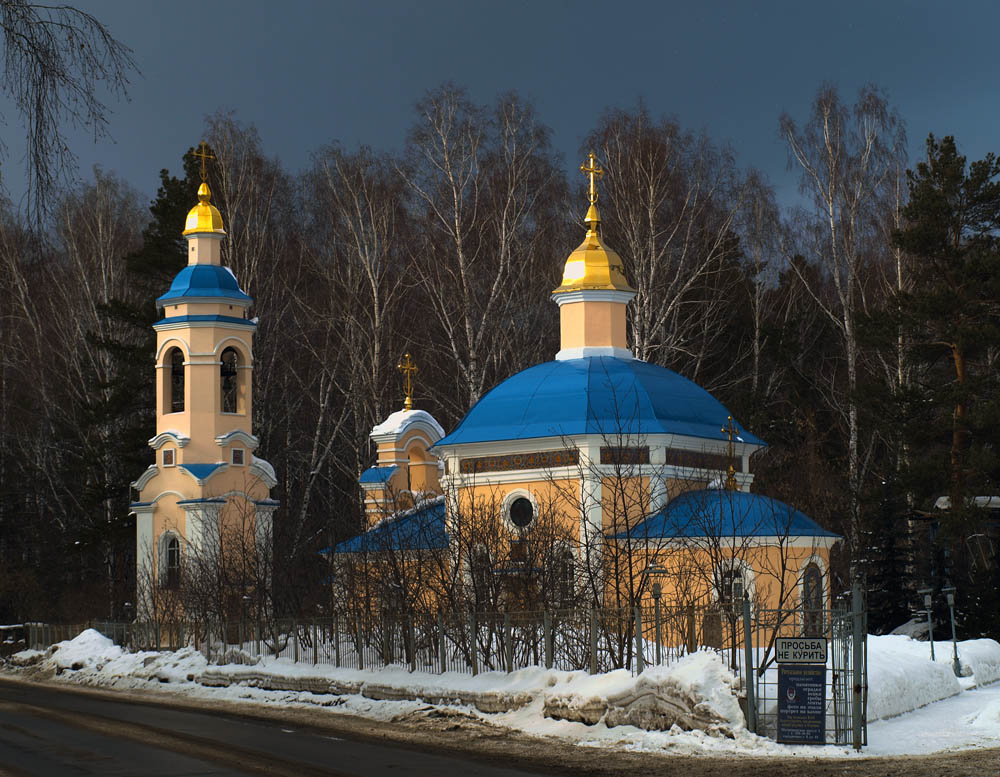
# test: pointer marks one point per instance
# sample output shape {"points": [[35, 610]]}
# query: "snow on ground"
{"points": [[923, 707]]}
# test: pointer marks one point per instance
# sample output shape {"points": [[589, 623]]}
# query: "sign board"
{"points": [[800, 650], [802, 704]]}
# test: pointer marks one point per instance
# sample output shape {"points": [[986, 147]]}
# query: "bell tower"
{"points": [[205, 478], [594, 293]]}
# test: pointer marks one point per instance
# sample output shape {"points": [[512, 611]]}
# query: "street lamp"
{"points": [[926, 592], [657, 590], [955, 664]]}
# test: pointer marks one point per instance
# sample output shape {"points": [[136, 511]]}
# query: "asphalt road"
{"points": [[48, 732]]}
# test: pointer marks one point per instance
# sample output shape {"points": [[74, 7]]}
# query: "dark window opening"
{"points": [[812, 601], [176, 381], [521, 512], [229, 380], [173, 576]]}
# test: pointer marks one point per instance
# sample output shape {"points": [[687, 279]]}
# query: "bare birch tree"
{"points": [[847, 156]]}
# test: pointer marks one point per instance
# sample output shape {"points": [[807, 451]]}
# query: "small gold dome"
{"points": [[593, 265], [204, 217]]}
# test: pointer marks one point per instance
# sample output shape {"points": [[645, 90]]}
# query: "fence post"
{"points": [[656, 618], [412, 637], [441, 644], [208, 639], [474, 638], [639, 657], [336, 640], [593, 641], [547, 636], [508, 643], [691, 632], [857, 646], [748, 677], [315, 643], [361, 647]]}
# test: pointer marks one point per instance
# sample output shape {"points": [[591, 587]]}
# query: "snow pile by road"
{"points": [[610, 710], [902, 677]]}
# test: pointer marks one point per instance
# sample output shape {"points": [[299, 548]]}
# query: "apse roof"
{"points": [[595, 395], [204, 280], [725, 513], [419, 529]]}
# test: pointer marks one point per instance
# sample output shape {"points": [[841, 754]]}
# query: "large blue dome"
{"points": [[595, 395], [204, 280]]}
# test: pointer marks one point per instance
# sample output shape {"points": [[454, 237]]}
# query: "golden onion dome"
{"points": [[204, 217], [593, 265]]}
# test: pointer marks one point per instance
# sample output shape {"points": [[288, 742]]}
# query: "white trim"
{"points": [[397, 424], [168, 436], [263, 469], [172, 342], [203, 324], [242, 453], [824, 580], [587, 351], [220, 343], [182, 300], [508, 500], [237, 435], [213, 235], [592, 295], [140, 482], [172, 452]]}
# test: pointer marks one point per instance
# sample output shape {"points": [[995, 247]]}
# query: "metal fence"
{"points": [[593, 640]]}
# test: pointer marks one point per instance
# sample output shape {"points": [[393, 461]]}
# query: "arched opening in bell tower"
{"points": [[229, 381]]}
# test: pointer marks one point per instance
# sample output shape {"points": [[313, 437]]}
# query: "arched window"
{"points": [[172, 571], [176, 362], [812, 601], [229, 379]]}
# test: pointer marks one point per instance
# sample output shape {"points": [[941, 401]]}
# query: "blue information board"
{"points": [[802, 704]]}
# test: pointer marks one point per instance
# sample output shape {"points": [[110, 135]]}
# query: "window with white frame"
{"points": [[168, 457], [238, 456]]}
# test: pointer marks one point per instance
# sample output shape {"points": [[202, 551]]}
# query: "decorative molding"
{"points": [[624, 455], [238, 435], [520, 461], [588, 351], [151, 472], [168, 436], [592, 295]]}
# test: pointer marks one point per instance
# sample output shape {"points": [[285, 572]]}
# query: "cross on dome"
{"points": [[409, 368], [594, 173], [204, 156]]}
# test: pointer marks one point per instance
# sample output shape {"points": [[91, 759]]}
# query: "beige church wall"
{"points": [[687, 572]]}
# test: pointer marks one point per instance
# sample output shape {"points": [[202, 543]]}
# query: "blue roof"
{"points": [[213, 319], [377, 474], [205, 500], [418, 529], [595, 395], [201, 471], [724, 513], [204, 280]]}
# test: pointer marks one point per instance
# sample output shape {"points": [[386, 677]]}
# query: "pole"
{"points": [[474, 639], [656, 616], [956, 665], [547, 636], [857, 645], [638, 641], [749, 664], [593, 642]]}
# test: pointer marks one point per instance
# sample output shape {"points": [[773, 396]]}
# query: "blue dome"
{"points": [[723, 513], [204, 280], [596, 395]]}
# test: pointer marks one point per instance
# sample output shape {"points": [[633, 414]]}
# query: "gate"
{"points": [[844, 626]]}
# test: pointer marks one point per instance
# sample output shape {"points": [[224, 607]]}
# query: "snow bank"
{"points": [[902, 677], [979, 657], [693, 693]]}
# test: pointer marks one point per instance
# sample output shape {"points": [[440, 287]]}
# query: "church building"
{"points": [[206, 486], [591, 477]]}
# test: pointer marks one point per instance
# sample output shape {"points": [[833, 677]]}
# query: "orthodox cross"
{"points": [[594, 173], [730, 430], [409, 368], [203, 155]]}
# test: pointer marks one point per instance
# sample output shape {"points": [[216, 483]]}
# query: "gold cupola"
{"points": [[594, 293], [203, 217], [593, 265]]}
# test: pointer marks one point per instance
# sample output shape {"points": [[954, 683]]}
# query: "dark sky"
{"points": [[308, 73]]}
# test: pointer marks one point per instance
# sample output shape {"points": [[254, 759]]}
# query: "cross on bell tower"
{"points": [[594, 173], [731, 431], [409, 368]]}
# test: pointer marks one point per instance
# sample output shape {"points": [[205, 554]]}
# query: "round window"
{"points": [[521, 512]]}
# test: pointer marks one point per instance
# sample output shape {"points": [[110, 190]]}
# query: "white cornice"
{"points": [[588, 351], [592, 295], [151, 472], [168, 436], [238, 435]]}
